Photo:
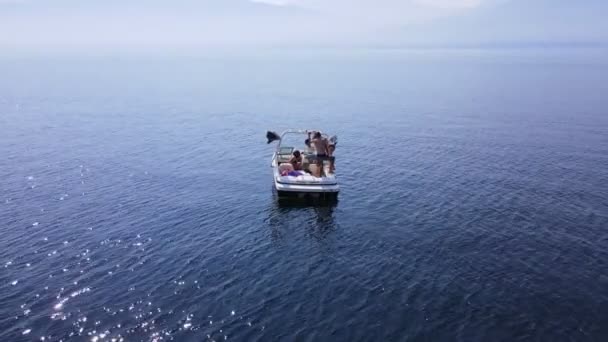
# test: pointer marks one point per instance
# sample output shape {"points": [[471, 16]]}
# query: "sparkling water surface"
{"points": [[137, 204]]}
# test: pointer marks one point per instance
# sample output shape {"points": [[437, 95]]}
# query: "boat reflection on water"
{"points": [[324, 202], [316, 216]]}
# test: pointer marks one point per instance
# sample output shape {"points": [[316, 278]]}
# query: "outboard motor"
{"points": [[272, 136]]}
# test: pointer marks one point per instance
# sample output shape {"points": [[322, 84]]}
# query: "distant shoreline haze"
{"points": [[262, 24]]}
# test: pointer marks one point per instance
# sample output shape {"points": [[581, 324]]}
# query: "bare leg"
{"points": [[322, 167], [315, 170], [332, 167]]}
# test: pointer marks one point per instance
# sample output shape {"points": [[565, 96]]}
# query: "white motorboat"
{"points": [[311, 180]]}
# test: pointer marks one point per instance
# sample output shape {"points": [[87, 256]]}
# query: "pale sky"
{"points": [[90, 23]]}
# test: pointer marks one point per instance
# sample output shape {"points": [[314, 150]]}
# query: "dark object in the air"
{"points": [[272, 136]]}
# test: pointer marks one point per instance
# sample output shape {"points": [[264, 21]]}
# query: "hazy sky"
{"points": [[88, 23]]}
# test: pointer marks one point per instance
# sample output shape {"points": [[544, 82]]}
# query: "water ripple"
{"points": [[458, 219]]}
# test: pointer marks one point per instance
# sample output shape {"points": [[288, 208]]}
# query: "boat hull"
{"points": [[286, 189], [327, 189]]}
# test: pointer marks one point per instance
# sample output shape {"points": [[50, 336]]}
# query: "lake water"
{"points": [[136, 197]]}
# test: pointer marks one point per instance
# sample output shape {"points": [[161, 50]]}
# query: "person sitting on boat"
{"points": [[296, 160]]}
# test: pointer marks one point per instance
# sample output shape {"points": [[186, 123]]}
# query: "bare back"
{"points": [[320, 145]]}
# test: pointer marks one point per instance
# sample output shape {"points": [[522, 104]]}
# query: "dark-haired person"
{"points": [[321, 146], [296, 160], [332, 160]]}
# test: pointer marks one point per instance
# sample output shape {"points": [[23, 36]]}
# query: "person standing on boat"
{"points": [[321, 146], [332, 160], [308, 143]]}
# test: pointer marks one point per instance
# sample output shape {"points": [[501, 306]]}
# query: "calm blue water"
{"points": [[136, 198]]}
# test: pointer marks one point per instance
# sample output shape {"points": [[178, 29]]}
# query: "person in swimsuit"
{"points": [[307, 143], [321, 150], [332, 160], [296, 160]]}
